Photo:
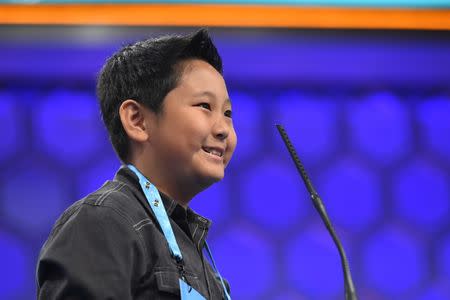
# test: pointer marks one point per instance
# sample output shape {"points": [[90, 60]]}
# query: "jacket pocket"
{"points": [[167, 280]]}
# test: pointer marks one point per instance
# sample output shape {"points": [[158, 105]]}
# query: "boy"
{"points": [[166, 107]]}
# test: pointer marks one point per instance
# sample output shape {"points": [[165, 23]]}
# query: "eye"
{"points": [[205, 105], [228, 114]]}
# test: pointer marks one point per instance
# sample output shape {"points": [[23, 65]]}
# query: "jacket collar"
{"points": [[125, 175]]}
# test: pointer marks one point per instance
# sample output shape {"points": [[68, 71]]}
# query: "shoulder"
{"points": [[92, 245], [112, 205]]}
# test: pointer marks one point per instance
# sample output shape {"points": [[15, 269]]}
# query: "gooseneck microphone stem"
{"points": [[350, 293]]}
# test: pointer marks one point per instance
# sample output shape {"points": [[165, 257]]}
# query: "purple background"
{"points": [[369, 113]]}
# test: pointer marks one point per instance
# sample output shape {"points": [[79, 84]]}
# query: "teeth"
{"points": [[213, 152], [216, 152]]}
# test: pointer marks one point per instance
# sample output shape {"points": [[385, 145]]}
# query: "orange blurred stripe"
{"points": [[224, 15]]}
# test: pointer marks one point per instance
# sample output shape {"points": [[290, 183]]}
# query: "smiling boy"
{"points": [[167, 110]]}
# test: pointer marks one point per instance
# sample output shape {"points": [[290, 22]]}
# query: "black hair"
{"points": [[146, 72]]}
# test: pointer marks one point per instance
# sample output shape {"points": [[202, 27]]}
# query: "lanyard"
{"points": [[157, 206], [225, 292]]}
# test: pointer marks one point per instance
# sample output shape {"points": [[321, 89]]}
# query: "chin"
{"points": [[216, 177], [211, 177]]}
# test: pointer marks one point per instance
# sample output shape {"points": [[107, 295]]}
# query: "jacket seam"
{"points": [[133, 225], [102, 198], [128, 220]]}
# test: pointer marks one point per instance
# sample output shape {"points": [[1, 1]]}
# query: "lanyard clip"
{"points": [[180, 266], [182, 272]]}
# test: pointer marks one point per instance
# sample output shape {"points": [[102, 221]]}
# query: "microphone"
{"points": [[350, 293]]}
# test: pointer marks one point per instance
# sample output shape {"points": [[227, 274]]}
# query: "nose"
{"points": [[221, 128]]}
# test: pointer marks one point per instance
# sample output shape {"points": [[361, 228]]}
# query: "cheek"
{"points": [[232, 143], [234, 140], [192, 132]]}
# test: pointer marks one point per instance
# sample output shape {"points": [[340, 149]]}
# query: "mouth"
{"points": [[214, 151]]}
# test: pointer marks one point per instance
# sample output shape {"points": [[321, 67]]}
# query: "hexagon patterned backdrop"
{"points": [[380, 161], [369, 114]]}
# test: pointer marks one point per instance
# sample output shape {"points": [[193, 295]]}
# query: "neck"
{"points": [[180, 192]]}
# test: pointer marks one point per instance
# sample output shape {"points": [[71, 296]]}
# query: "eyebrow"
{"points": [[212, 95]]}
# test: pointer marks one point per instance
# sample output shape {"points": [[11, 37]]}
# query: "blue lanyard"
{"points": [[157, 206], [225, 292]]}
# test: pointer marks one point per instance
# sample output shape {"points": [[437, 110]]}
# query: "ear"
{"points": [[132, 115]]}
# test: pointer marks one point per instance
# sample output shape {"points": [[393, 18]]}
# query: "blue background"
{"points": [[369, 113]]}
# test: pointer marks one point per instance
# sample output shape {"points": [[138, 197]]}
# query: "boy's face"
{"points": [[194, 135]]}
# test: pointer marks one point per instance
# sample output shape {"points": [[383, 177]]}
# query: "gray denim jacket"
{"points": [[108, 245]]}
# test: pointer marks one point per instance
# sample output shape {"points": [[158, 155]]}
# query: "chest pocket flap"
{"points": [[167, 280]]}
